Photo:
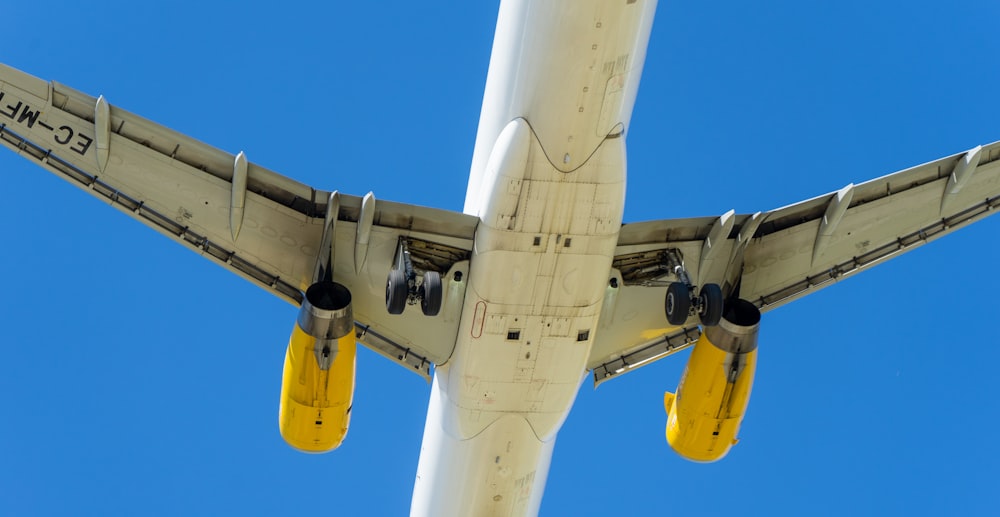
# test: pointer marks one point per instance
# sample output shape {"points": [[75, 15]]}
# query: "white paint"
{"points": [[548, 167]]}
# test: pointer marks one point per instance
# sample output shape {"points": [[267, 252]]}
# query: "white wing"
{"points": [[775, 257], [262, 226]]}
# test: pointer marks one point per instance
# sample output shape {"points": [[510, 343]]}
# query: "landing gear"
{"points": [[431, 293], [680, 304], [397, 290], [401, 286], [710, 305], [677, 303]]}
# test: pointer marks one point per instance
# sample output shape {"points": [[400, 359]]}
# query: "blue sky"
{"points": [[137, 377]]}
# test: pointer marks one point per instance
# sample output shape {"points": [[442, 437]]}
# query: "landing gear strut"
{"points": [[401, 287]]}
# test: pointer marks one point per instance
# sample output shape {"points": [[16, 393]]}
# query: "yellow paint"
{"points": [[705, 415], [315, 406], [650, 334]]}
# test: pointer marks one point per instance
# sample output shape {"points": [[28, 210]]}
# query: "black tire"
{"points": [[710, 297], [430, 302], [677, 303], [396, 292]]}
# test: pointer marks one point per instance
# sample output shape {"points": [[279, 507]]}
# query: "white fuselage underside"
{"points": [[548, 184]]}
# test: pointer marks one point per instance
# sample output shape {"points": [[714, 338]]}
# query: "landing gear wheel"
{"points": [[710, 305], [677, 303], [430, 302], [396, 292]]}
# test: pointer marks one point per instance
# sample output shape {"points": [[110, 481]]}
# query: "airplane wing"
{"points": [[254, 222], [775, 257]]}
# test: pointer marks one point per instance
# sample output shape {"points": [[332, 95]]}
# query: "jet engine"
{"points": [[317, 386], [712, 396]]}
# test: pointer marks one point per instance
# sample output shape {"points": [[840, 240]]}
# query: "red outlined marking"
{"points": [[478, 319]]}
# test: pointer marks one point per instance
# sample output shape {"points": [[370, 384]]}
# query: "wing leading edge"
{"points": [[265, 227], [779, 256]]}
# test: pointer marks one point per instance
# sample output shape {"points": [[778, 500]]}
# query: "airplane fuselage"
{"points": [[548, 184]]}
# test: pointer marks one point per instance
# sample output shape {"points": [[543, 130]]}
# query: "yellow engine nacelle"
{"points": [[317, 386], [712, 396]]}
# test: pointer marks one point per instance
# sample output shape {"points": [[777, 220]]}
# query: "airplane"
{"points": [[672, 379]]}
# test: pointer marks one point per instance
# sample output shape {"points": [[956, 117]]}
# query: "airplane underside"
{"points": [[536, 284], [548, 187]]}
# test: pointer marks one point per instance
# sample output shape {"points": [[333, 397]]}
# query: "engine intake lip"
{"points": [[326, 311], [328, 296], [737, 332]]}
